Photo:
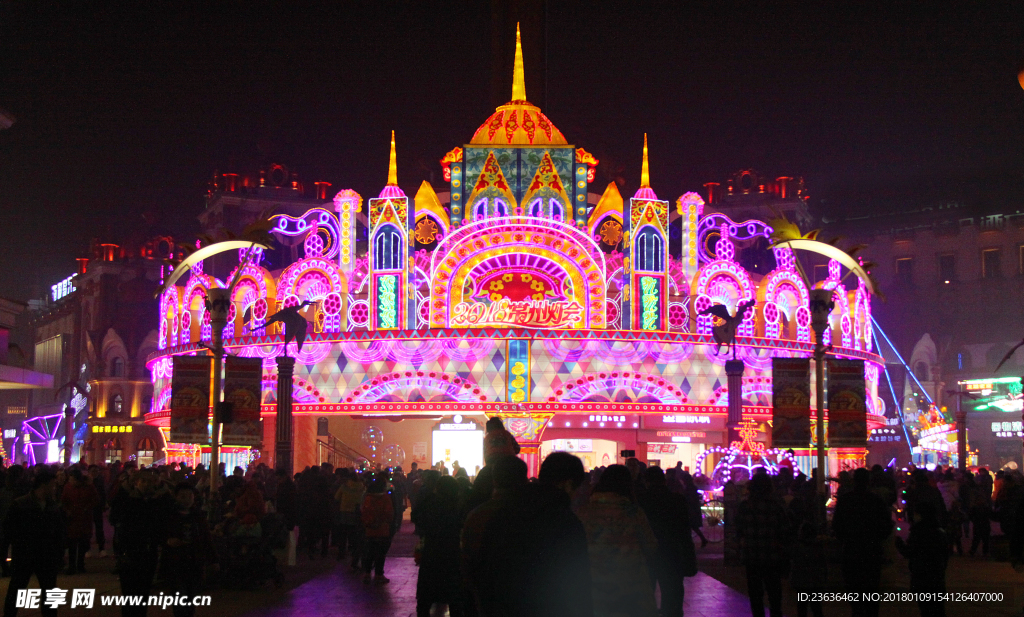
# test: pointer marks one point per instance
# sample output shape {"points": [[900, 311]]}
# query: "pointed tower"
{"points": [[645, 307], [391, 294], [518, 136]]}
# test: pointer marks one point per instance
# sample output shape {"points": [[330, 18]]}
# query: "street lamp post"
{"points": [[821, 305], [961, 430], [220, 301]]}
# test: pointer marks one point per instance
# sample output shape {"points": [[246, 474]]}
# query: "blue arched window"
{"points": [[537, 208], [387, 249], [557, 212], [500, 208], [480, 211], [650, 251]]}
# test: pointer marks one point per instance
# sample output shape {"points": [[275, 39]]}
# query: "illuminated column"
{"points": [[388, 251], [517, 378], [648, 252], [457, 207], [283, 443], [691, 208], [347, 204], [580, 200]]}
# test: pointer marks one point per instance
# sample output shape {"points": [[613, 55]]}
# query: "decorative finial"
{"points": [[393, 165], [518, 81], [645, 174]]}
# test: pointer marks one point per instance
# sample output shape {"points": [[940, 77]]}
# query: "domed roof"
{"points": [[518, 122]]}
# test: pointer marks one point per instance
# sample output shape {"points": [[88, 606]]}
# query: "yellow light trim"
{"points": [[518, 80], [392, 164], [645, 174]]}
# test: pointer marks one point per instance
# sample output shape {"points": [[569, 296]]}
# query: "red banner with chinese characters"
{"points": [[847, 408], [242, 388], [190, 399], [791, 402]]}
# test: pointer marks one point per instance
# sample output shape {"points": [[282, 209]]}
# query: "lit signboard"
{"points": [[686, 419], [996, 394], [63, 288]]}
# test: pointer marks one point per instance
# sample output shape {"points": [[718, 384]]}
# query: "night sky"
{"points": [[123, 112]]}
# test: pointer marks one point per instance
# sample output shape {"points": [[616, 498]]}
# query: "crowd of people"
{"points": [[568, 542]]}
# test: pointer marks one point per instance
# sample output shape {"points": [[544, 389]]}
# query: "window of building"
{"points": [[113, 451], [117, 367], [537, 208], [905, 270], [116, 405], [500, 208], [145, 451], [990, 263], [947, 267], [556, 210]]}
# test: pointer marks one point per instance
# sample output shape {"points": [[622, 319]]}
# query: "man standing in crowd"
{"points": [[35, 527]]}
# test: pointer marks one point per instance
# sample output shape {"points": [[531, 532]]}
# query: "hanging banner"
{"points": [[791, 402], [242, 388], [847, 409], [190, 399]]}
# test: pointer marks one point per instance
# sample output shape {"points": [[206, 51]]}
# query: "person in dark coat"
{"points": [[438, 520], [763, 528], [498, 441], [78, 500], [927, 549], [139, 510], [100, 484], [862, 522], [524, 551], [187, 548], [286, 499], [14, 487], [35, 526], [669, 516]]}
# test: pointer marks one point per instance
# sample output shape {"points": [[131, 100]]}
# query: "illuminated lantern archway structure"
{"points": [[516, 292], [740, 460]]}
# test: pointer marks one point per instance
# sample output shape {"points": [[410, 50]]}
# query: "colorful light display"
{"points": [[516, 292]]}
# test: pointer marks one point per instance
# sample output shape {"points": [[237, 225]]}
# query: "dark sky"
{"points": [[125, 109]]}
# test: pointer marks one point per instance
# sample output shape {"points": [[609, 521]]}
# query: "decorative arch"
{"points": [[754, 391], [649, 249], [459, 256], [722, 282], [783, 292], [383, 386], [170, 309], [653, 386], [113, 349], [195, 324], [320, 280], [255, 283], [303, 391]]}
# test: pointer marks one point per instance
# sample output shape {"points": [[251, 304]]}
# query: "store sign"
{"points": [[668, 435], [701, 422], [572, 445], [450, 426], [10, 433], [661, 448], [1008, 429], [524, 314], [686, 419], [63, 289]]}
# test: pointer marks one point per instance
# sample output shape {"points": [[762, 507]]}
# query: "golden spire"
{"points": [[393, 166], [645, 174], [518, 81]]}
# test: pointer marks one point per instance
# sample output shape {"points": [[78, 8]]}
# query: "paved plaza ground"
{"points": [[329, 587]]}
